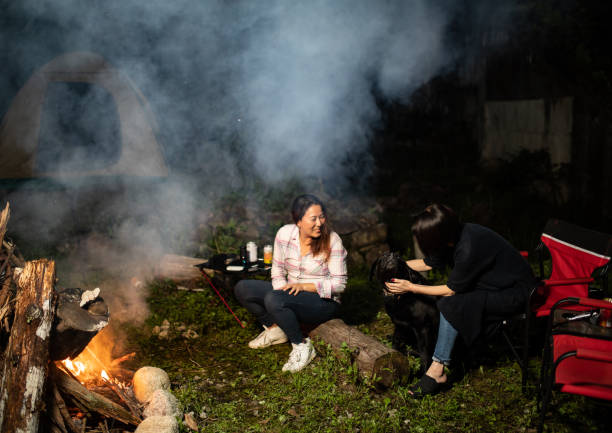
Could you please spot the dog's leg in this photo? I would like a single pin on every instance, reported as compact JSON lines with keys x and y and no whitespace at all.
{"x":399,"y":340}
{"x":424,"y":346}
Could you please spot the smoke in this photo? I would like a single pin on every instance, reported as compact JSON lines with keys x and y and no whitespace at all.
{"x":309,"y":69}
{"x":292,"y":82}
{"x":280,"y":89}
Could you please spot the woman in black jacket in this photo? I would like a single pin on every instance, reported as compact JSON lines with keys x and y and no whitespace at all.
{"x":488,"y":277}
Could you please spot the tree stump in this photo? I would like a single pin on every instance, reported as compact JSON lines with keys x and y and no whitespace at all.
{"x":374,"y":360}
{"x":27,"y":354}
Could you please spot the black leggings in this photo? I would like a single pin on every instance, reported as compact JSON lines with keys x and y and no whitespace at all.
{"x":277,"y":306}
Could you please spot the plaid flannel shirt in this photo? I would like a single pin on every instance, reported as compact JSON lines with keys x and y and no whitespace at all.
{"x":289,"y":266}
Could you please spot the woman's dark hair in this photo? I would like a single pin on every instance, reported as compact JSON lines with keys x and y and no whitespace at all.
{"x":435,"y":228}
{"x":300,"y":206}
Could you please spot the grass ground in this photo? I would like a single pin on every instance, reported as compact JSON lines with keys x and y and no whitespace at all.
{"x":230,"y":388}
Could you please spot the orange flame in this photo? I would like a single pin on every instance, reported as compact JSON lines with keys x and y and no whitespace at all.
{"x":93,"y":363}
{"x":93,"y":360}
{"x":75,"y":367}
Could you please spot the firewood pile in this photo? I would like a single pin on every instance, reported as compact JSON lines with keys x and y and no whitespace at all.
{"x":41,"y":325}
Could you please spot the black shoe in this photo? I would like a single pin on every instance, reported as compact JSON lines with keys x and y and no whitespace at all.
{"x":427,"y":386}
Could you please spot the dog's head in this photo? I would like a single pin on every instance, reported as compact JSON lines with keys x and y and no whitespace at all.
{"x":391,"y":265}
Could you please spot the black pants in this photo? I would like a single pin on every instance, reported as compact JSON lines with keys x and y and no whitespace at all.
{"x":271,"y":306}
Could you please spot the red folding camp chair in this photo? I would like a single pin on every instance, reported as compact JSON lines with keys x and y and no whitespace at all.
{"x":578,"y":352}
{"x":578,"y":257}
{"x":576,"y":253}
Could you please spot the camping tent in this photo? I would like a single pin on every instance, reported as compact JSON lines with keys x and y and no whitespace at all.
{"x":78,"y":116}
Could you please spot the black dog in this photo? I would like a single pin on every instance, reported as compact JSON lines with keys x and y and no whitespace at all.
{"x":416,"y":317}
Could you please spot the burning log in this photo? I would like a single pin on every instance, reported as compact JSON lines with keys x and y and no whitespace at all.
{"x":80,"y":316}
{"x":117,"y":361}
{"x":181,"y":268}
{"x":91,"y":401}
{"x":129,"y":401}
{"x":373,"y":359}
{"x":27,"y":355}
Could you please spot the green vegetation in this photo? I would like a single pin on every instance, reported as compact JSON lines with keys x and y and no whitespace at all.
{"x":223,"y":238}
{"x":230,"y":388}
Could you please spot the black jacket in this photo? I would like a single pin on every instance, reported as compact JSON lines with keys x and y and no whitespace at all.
{"x":488,"y":276}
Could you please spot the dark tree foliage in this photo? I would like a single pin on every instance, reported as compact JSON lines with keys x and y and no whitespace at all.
{"x":428,"y":150}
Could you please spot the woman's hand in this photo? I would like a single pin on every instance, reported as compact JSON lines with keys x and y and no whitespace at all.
{"x":295,"y":288}
{"x":398,"y":286}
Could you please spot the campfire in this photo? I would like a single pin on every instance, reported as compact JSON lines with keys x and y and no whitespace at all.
{"x":91,"y":365}
{"x":58,"y":371}
{"x":95,"y":363}
{"x":105,"y":388}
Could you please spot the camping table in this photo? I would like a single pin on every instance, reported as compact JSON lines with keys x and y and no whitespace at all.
{"x":253,"y":269}
{"x":583,"y":327}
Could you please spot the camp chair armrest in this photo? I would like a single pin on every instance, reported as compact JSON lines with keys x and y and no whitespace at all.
{"x":568,"y":281}
{"x":595,"y":303}
{"x":587,"y":302}
{"x":594,"y":355}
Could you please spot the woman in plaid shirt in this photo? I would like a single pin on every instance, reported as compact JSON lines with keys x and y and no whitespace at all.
{"x":308,"y":276}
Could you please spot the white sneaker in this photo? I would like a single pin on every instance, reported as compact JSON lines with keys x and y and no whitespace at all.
{"x":268,"y":337}
{"x":300,"y":356}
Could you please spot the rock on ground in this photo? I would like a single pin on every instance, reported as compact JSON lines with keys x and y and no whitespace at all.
{"x":147,"y":380}
{"x":158,"y":424}
{"x":161,"y":403}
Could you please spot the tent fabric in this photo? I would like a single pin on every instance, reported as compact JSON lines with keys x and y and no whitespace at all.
{"x":140,"y":151}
